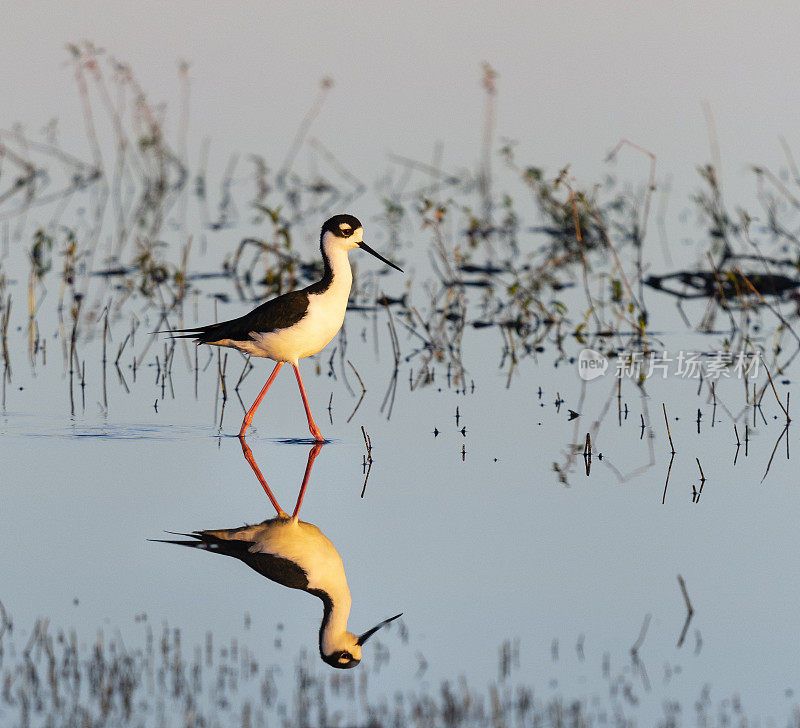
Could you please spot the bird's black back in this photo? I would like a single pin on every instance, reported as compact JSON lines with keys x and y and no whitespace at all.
{"x":273,"y":315}
{"x":275,"y":568}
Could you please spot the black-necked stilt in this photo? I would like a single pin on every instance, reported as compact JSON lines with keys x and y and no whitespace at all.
{"x":296,"y":554}
{"x":299,"y":323}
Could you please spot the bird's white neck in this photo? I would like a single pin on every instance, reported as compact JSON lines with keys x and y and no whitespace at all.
{"x":334,"y":621}
{"x":340,"y":271}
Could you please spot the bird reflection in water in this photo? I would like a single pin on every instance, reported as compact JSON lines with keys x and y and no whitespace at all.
{"x":296,"y":554}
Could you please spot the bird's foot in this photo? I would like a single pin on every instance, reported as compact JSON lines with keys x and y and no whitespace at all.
{"x":245,"y":424}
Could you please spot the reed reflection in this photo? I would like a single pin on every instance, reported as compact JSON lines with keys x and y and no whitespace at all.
{"x":298,"y":555}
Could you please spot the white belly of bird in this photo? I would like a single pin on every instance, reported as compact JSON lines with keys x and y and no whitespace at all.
{"x":310,"y":335}
{"x":305,"y":545}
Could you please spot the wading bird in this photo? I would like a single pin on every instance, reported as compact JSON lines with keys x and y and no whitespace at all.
{"x":296,"y":554}
{"x":299,"y":323}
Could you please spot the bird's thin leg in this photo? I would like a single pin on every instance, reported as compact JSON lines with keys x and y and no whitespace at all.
{"x":312,"y":456}
{"x":248,"y":455}
{"x":311,"y":426}
{"x":248,"y":418}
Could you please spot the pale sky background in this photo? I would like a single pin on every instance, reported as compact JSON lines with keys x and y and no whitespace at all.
{"x":574,"y":77}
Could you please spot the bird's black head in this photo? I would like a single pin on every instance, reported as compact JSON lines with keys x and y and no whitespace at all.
{"x":341,"y":659}
{"x":342,"y":226}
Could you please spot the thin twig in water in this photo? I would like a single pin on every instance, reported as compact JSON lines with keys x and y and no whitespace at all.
{"x":666,"y":483}
{"x":587,"y":454}
{"x":642,"y":634}
{"x":689,"y":611}
{"x":245,"y":371}
{"x":367,"y":443}
{"x":666,"y":422}
{"x":775,"y":449}
{"x":5,"y":623}
{"x":367,"y":463}
{"x":360,"y":380}
{"x":637,"y":662}
{"x":785,"y":410}
{"x":121,"y":349}
{"x":392,"y":388}
{"x":363,"y":391}
{"x":702,"y":477}
{"x":4,"y":333}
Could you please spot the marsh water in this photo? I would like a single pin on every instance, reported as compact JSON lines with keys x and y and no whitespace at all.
{"x":653,"y":579}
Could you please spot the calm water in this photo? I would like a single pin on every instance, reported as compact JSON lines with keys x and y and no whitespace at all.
{"x":478,"y":519}
{"x":474,"y":548}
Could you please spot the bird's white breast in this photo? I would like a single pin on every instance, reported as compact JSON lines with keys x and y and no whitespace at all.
{"x":322,"y":320}
{"x":313,"y":332}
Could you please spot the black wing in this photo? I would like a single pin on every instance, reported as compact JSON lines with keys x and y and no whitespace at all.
{"x":275,"y":568}
{"x":273,"y":315}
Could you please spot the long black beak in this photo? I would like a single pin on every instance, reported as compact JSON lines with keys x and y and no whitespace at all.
{"x":366,"y":247}
{"x":364,"y":637}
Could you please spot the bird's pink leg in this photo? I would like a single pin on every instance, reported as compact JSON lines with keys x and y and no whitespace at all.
{"x":312,"y":456}
{"x":248,"y":418}
{"x":311,"y":426}
{"x":248,"y":455}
